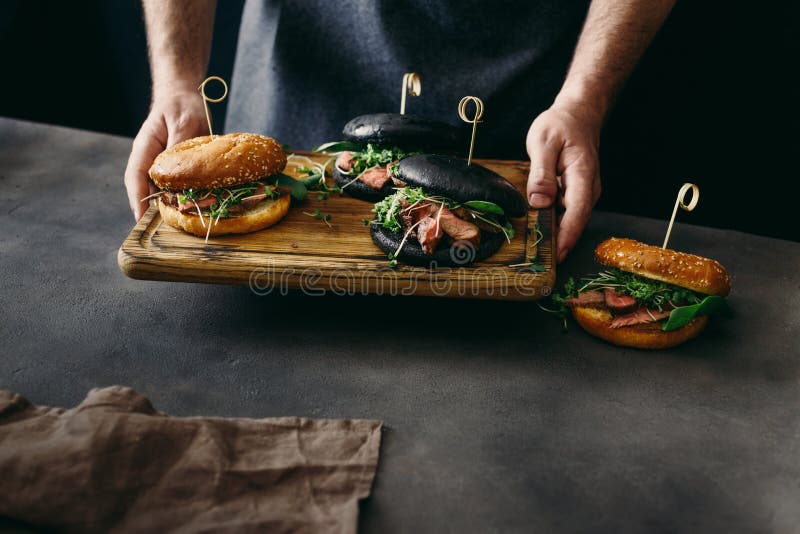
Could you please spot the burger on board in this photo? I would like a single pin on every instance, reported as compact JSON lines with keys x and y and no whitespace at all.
{"x":450,"y":213}
{"x":375,"y":143}
{"x":222,"y":184}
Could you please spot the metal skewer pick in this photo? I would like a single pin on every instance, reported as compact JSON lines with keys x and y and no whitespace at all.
{"x":412,"y":86}
{"x":680,"y":202}
{"x":207,"y":99}
{"x":462,"y":112}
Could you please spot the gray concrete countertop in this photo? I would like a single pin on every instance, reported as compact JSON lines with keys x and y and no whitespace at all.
{"x":496,"y":420}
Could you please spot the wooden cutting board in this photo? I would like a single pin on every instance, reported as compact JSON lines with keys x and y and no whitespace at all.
{"x":303,"y":253}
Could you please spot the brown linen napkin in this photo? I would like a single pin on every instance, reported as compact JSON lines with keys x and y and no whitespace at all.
{"x":114,"y":463}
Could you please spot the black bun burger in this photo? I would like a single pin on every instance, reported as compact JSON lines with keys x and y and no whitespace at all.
{"x":373,"y":143}
{"x":449,"y":212}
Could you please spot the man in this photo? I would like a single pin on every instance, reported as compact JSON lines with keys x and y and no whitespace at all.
{"x":305,"y":68}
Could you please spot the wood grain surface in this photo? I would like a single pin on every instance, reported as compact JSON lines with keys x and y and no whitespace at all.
{"x":303,"y":253}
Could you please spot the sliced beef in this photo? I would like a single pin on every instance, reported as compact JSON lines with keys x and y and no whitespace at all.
{"x":434,"y":221}
{"x":344,"y":160}
{"x":257,"y":196}
{"x":422,"y":210}
{"x":406,"y":217}
{"x":375,"y":178}
{"x":411,"y":214}
{"x":590,"y":299}
{"x":252,"y":200}
{"x":458,"y":229}
{"x":189,"y":205}
{"x":235,"y":210}
{"x":396,"y":181}
{"x":169,"y":198}
{"x":429,"y":233}
{"x":618,"y":303}
{"x":483,"y":225}
{"x":640,"y":316}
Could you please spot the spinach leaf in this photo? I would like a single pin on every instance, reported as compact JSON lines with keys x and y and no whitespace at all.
{"x":713,"y":304}
{"x":339,"y":146}
{"x":485,"y":207}
{"x":298,"y":190}
{"x":312,"y":181}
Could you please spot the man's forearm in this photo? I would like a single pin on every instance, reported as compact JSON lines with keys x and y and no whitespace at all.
{"x":614,"y":37}
{"x":179,"y":40}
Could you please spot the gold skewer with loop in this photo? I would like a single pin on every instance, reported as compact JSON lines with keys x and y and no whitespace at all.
{"x":462,"y":112}
{"x":412,"y":86}
{"x":680,"y":202}
{"x":207,"y":99}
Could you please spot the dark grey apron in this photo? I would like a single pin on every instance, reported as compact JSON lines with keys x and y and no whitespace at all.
{"x":305,"y":67}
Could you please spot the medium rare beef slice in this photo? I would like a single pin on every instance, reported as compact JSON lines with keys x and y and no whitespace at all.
{"x":640,"y":316}
{"x":344,"y":160}
{"x":429,"y":233}
{"x":375,"y":178}
{"x":458,"y":229}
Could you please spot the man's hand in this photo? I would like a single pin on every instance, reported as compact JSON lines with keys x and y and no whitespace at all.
{"x":172,"y":119}
{"x":562,"y":143}
{"x":179,"y":41}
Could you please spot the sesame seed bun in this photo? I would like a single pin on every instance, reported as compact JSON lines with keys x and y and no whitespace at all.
{"x":597,"y":322}
{"x":699,"y":274}
{"x":262,"y":215}
{"x":219,"y":161}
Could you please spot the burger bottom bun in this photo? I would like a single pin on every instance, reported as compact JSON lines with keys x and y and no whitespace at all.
{"x":360,"y":190}
{"x":444,"y":255}
{"x":264,"y":214}
{"x":643,"y":336}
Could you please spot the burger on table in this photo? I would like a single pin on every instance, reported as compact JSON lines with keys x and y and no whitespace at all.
{"x":648,"y":297}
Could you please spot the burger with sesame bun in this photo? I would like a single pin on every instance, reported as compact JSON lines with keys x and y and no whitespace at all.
{"x":648,"y":297}
{"x":222,"y":184}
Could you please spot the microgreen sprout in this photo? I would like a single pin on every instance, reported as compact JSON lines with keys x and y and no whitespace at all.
{"x":533,"y":264}
{"x":320,"y":215}
{"x":376,"y":156}
{"x":316,"y":172}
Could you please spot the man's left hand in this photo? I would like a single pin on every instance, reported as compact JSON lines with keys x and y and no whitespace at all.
{"x":563,"y":146}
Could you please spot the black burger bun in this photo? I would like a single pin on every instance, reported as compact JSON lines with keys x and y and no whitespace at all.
{"x":445,"y":255}
{"x":359,"y":189}
{"x":453,"y":178}
{"x":409,"y":132}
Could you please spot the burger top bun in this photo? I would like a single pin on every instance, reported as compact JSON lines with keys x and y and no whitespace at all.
{"x":678,"y":268}
{"x":222,"y":160}
{"x":405,"y":131}
{"x":453,"y":178}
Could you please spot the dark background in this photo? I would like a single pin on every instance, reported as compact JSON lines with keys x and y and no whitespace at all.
{"x":713,"y":100}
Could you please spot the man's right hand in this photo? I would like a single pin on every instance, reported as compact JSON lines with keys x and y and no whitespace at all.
{"x":176,"y":115}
